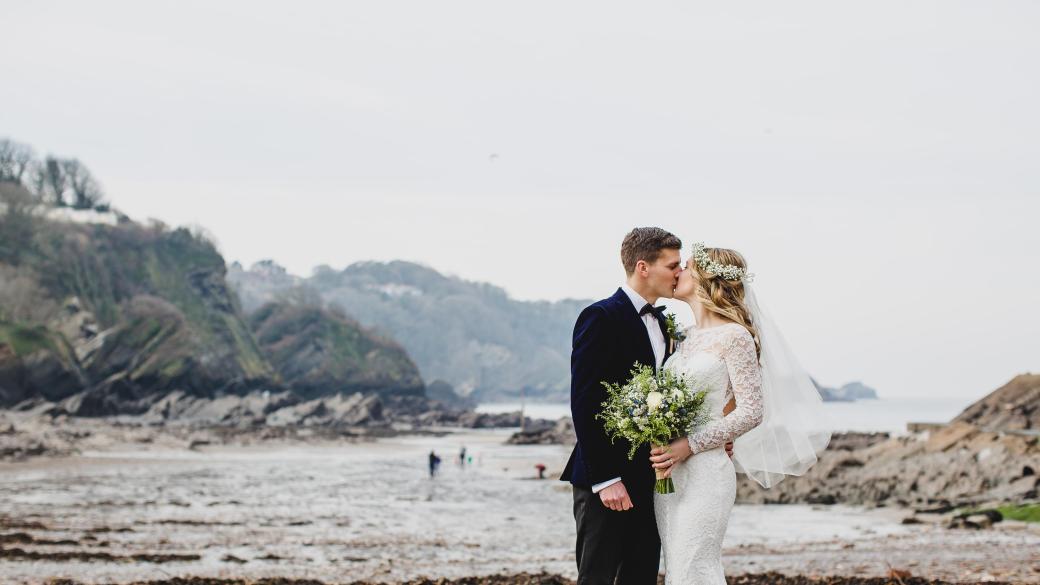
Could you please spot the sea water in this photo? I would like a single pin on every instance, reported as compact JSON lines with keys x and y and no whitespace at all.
{"x":889,"y":415}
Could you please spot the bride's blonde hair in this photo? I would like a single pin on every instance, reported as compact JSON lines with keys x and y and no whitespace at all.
{"x":723,"y":296}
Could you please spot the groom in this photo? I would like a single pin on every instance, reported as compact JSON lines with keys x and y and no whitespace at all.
{"x":613,"y":495}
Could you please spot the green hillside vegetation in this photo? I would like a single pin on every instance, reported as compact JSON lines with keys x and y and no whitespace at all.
{"x":26,"y":339}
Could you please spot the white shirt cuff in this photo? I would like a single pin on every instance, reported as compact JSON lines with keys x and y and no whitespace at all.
{"x":599,"y":486}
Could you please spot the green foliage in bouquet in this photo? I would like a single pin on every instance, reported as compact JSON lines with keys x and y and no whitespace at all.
{"x":651,"y":408}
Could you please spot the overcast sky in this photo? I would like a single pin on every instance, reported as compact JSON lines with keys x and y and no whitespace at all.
{"x":876,"y":162}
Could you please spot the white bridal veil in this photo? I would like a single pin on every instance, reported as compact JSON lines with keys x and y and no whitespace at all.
{"x":793,"y":429}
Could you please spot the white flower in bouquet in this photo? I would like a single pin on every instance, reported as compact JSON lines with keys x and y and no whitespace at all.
{"x":653,"y":400}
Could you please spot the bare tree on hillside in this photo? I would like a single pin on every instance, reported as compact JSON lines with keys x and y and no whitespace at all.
{"x":15,"y":160}
{"x":61,"y":182}
{"x":37,"y":180}
{"x":17,"y":221}
{"x":86,"y":193}
{"x":22,"y":299}
{"x":51,"y":182}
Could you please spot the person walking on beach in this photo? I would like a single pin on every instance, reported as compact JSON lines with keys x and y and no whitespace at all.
{"x":435,"y":462}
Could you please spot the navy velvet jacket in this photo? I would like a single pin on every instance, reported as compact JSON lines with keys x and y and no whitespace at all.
{"x":609,"y":338}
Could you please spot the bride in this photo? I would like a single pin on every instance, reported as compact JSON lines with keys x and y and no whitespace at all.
{"x":737,"y":355}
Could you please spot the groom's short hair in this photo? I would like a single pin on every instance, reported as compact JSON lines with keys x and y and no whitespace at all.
{"x":646,"y":243}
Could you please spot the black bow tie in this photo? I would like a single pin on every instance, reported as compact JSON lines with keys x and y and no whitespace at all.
{"x":657,"y":312}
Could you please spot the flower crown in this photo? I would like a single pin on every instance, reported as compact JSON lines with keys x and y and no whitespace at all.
{"x":726,"y":271}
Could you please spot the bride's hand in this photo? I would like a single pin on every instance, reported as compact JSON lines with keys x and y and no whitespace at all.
{"x":665,"y":457}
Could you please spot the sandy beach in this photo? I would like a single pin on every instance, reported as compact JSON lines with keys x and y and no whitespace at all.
{"x":368,"y":510}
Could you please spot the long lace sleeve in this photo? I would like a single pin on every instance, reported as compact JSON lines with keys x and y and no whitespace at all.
{"x":745,"y":376}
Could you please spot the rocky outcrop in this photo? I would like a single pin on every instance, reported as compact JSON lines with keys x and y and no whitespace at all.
{"x":244,"y":411}
{"x":1014,"y":406}
{"x":36,"y":362}
{"x":142,"y":312}
{"x":443,"y":392}
{"x":268,"y":409}
{"x":989,"y":453}
{"x":181,"y":420}
{"x":333,"y":412}
{"x":321,"y":352}
{"x":960,"y":463}
{"x":559,"y":433}
{"x":155,"y":350}
{"x":854,"y":441}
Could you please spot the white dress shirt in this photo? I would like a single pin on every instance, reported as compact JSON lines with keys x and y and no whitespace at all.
{"x":657,"y":341}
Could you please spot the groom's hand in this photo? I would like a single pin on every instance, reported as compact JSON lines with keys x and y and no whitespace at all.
{"x":616,"y":497}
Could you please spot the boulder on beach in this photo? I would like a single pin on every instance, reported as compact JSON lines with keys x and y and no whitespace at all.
{"x":559,"y":433}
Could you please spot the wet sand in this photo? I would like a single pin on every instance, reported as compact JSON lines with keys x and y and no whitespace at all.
{"x":341,"y":512}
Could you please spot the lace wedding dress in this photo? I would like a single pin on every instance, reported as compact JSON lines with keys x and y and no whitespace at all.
{"x":692,"y":521}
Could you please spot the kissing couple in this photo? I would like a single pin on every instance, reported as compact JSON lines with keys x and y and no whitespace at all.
{"x":757,"y":397}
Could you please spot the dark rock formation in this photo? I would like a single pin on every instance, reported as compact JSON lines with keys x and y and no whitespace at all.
{"x":961,"y":464}
{"x":319,"y":352}
{"x":853,"y":441}
{"x":445,"y":394}
{"x":334,"y":411}
{"x":559,"y":433}
{"x":486,"y":420}
{"x":36,"y":362}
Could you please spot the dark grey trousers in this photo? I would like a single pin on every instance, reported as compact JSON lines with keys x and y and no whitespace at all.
{"x":615,"y":548}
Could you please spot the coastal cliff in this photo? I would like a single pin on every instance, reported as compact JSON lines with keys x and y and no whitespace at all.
{"x":101,"y":315}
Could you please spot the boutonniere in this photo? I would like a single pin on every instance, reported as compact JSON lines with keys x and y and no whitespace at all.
{"x":671,"y":326}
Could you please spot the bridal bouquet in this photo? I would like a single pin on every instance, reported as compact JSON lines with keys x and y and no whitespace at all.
{"x":652,"y":408}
